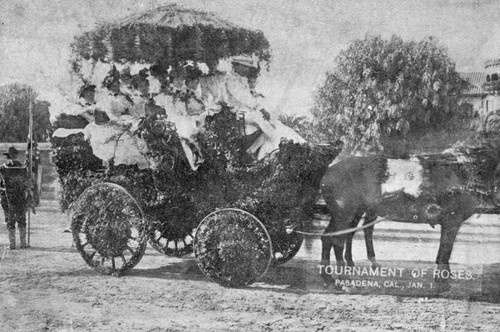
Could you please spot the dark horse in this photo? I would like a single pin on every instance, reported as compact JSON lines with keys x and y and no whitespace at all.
{"x":443,"y":189}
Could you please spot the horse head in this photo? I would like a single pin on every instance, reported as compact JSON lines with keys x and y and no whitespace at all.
{"x":488,"y":168}
{"x":495,"y":186}
{"x":480,"y":168}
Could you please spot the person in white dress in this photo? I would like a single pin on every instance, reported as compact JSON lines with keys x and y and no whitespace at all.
{"x":236,"y":89}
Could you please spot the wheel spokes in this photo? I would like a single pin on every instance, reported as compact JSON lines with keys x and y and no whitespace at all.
{"x":169,"y":244}
{"x":131,"y":250}
{"x":107,"y":223}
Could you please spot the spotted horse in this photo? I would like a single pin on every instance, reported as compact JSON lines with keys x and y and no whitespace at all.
{"x":438,"y":189}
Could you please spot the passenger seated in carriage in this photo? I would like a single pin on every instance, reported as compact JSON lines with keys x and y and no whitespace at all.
{"x":117,"y":110}
{"x":234,"y":87}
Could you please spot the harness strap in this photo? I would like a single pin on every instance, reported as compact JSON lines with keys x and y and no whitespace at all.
{"x":290,"y":229}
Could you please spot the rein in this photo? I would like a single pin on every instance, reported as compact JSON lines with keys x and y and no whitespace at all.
{"x":290,"y":229}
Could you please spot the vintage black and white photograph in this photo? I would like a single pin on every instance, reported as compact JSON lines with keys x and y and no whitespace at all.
{"x":251,"y":165}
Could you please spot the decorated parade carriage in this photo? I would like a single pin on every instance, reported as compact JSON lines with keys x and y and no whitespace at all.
{"x":162,"y":146}
{"x":169,"y":144}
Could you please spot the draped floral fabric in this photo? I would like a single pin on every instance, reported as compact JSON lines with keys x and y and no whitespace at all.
{"x":172,"y":66}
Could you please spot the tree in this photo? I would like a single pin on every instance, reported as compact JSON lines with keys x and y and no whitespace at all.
{"x":302,"y":125}
{"x":382,"y":89}
{"x":14,"y":114}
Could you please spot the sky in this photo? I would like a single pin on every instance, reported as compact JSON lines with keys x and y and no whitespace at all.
{"x":305,"y":36}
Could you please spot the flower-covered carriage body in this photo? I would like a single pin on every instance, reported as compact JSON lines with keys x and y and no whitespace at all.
{"x":166,"y":129}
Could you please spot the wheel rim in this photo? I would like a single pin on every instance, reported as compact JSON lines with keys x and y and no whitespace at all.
{"x":109,"y":229}
{"x":232,"y":247}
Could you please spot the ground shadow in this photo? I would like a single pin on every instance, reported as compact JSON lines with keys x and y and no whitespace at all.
{"x":277,"y":277}
{"x":490,"y":285}
{"x":53,"y":249}
{"x":302,"y":276}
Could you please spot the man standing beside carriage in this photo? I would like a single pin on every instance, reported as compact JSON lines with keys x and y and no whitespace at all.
{"x":14,"y":185}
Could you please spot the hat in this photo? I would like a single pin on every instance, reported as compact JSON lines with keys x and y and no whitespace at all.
{"x":11,"y":152}
{"x":245,"y":60}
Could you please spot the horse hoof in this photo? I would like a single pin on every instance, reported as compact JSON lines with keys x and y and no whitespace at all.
{"x":338,"y":288}
{"x":349,"y":289}
{"x":443,"y":287}
{"x":327,"y":280}
{"x":376,"y":266}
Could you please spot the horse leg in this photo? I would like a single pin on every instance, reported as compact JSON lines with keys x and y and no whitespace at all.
{"x":326,"y":245}
{"x":456,"y":209}
{"x":370,"y":249}
{"x":348,"y":249}
{"x":337,"y":223}
{"x":449,"y":231}
{"x":338,"y":249}
{"x":326,"y":248}
{"x":337,"y":242}
{"x":349,"y":237}
{"x":340,"y":221}
{"x":448,"y":236}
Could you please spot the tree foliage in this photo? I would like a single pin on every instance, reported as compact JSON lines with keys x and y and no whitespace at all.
{"x":306,"y":128}
{"x":14,"y":114}
{"x":382,"y":89}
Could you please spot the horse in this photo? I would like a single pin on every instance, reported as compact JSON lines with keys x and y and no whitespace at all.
{"x":442,"y":189}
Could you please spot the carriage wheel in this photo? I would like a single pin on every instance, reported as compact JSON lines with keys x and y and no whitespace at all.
{"x":286,"y":246}
{"x":108,"y":228}
{"x":171,"y":239}
{"x":232,"y":247}
{"x":173,"y":228}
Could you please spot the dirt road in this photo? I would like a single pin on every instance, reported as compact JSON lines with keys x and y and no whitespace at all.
{"x":49,"y":288}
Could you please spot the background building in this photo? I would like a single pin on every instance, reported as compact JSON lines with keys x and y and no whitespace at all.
{"x":482,"y":91}
{"x":492,"y":86}
{"x":474,"y":94}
